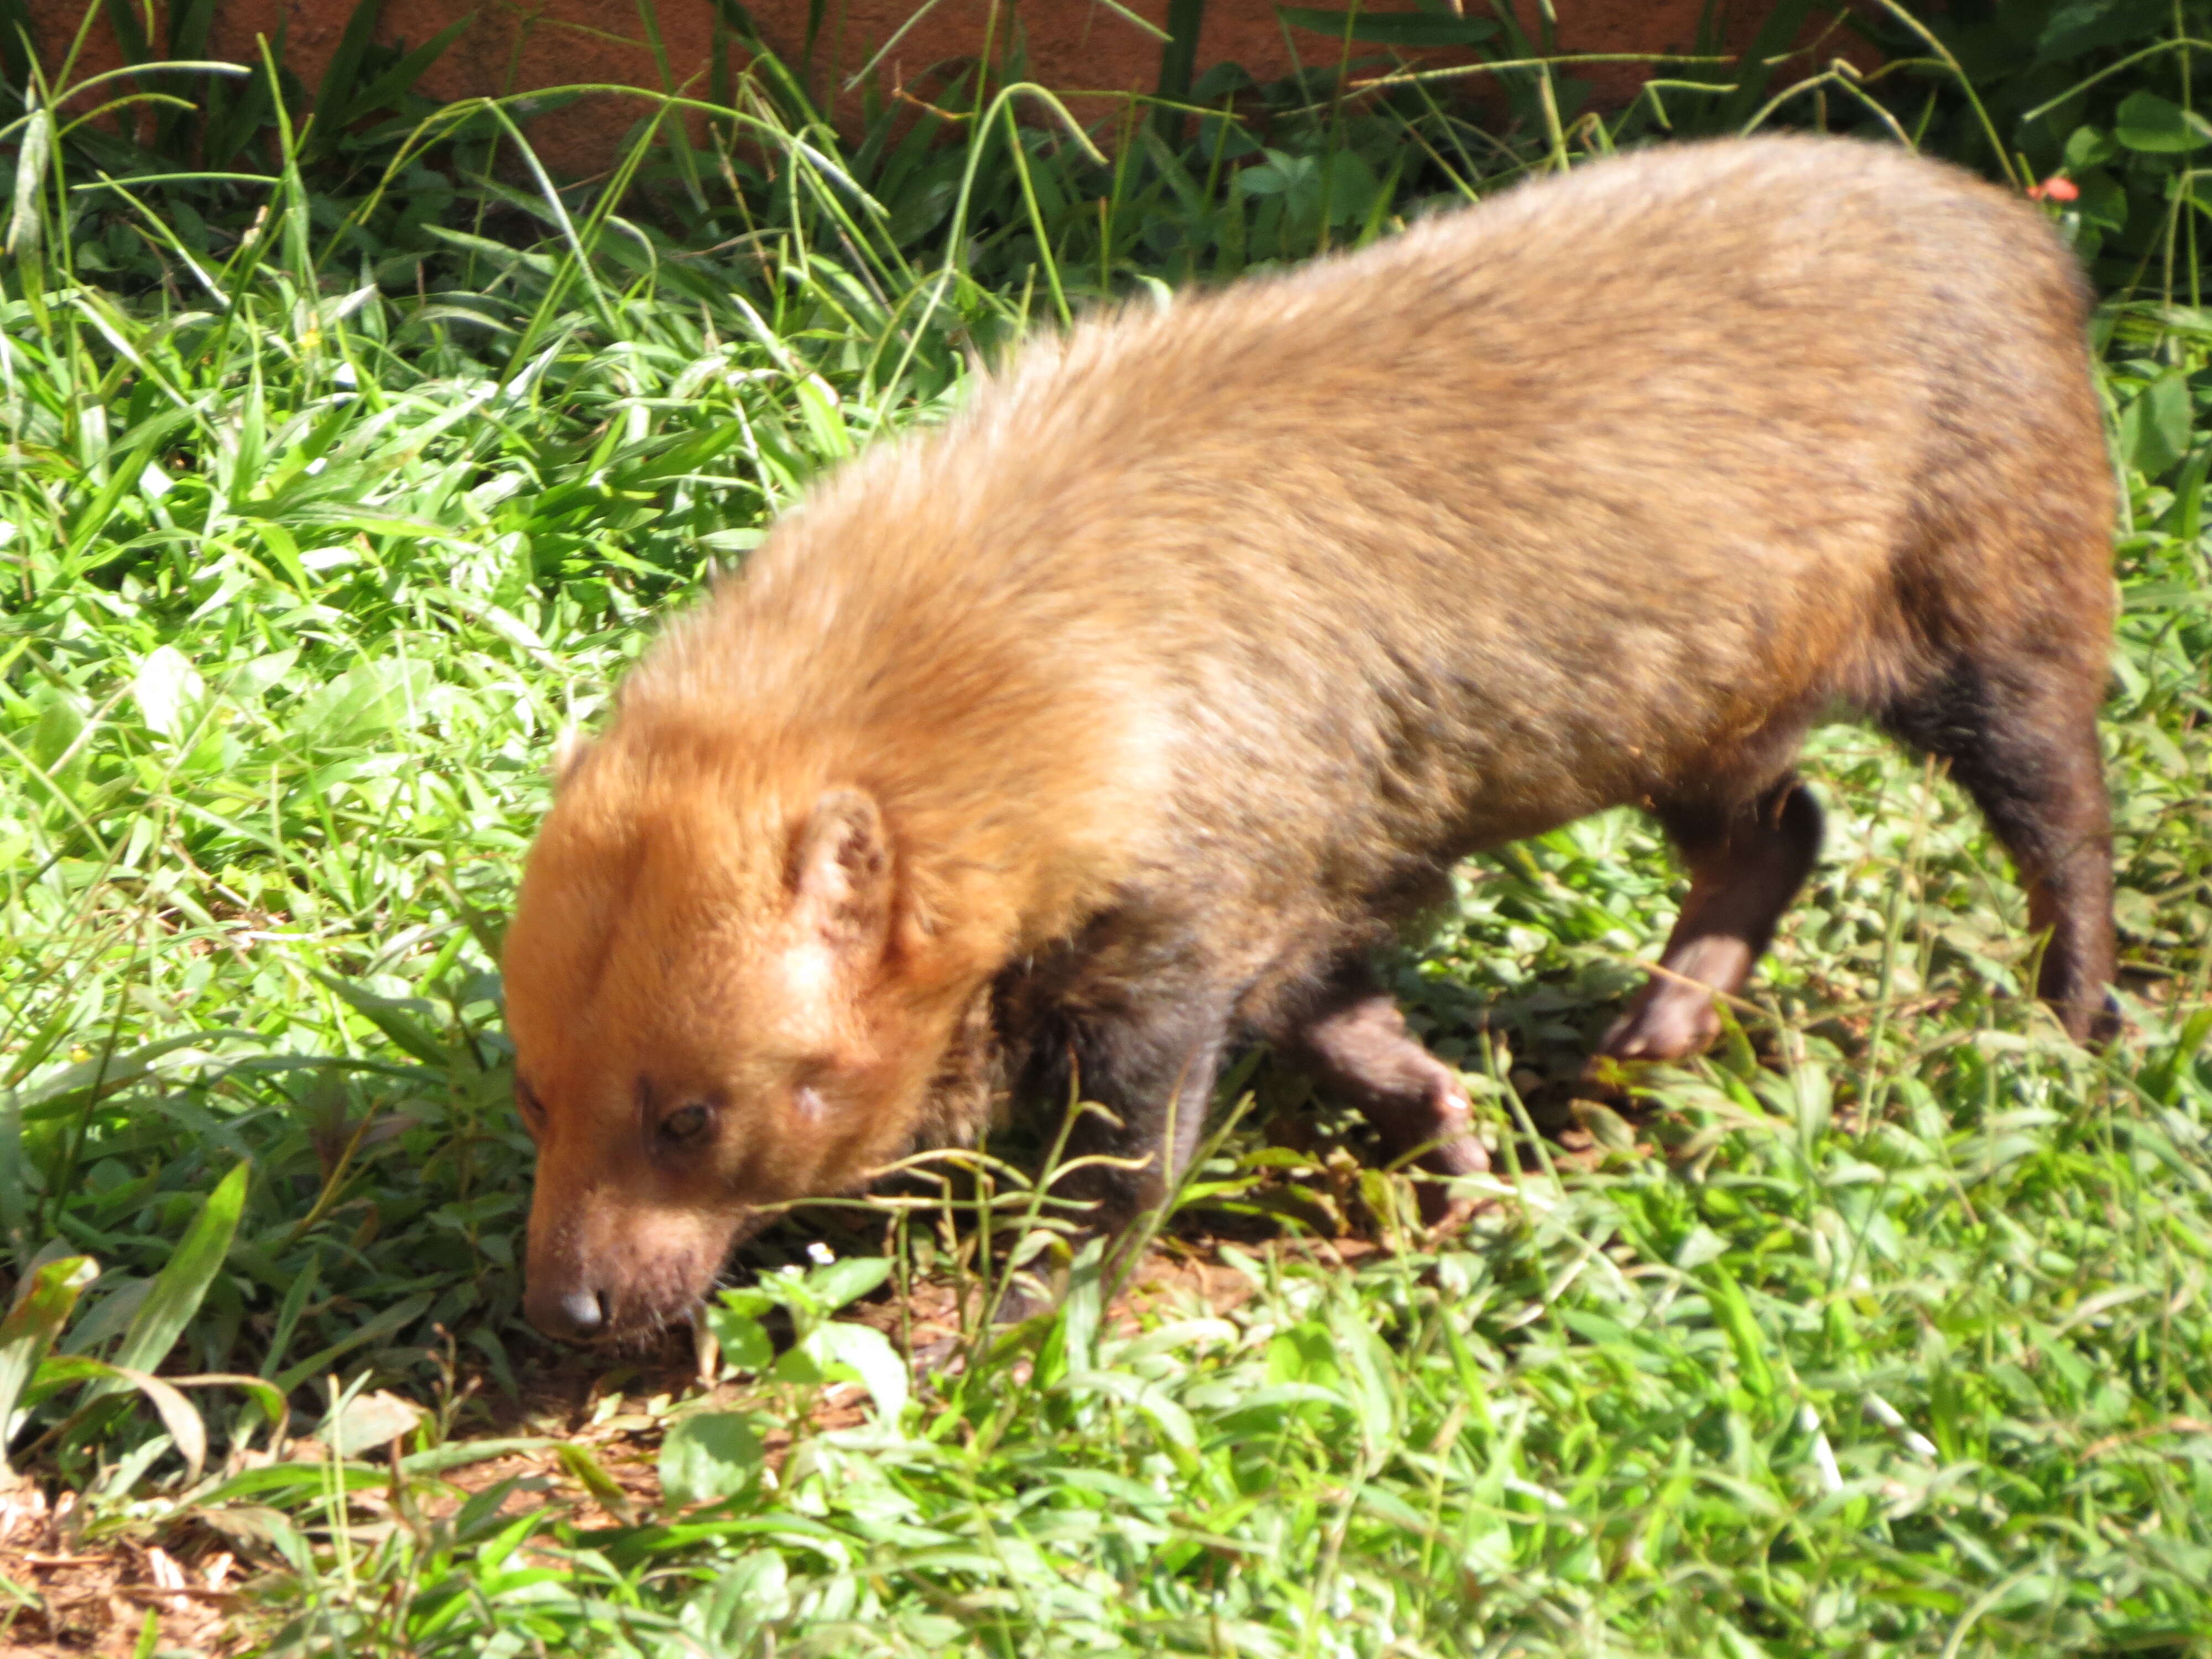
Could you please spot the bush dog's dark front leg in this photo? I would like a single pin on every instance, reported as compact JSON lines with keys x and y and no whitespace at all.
{"x":1149,"y":1057}
{"x":1153,"y":1067}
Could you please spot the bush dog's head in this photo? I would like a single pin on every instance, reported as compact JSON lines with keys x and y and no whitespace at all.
{"x":715,"y":1007}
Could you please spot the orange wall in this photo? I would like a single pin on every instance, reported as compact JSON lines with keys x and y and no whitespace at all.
{"x":1072,"y":43}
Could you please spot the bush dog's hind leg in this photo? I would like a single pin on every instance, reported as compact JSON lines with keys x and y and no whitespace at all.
{"x":2028,"y":756}
{"x":1355,"y":1041}
{"x":1746,"y":865}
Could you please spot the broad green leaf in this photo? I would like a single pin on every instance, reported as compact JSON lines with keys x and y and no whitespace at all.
{"x":2081,"y":26}
{"x":42,"y":1307}
{"x":2158,"y":125}
{"x":251,"y":679}
{"x":1305,"y":1352}
{"x":59,"y":724}
{"x":2088,"y":147}
{"x":1353,"y":188}
{"x":868,"y":1354}
{"x":178,"y":1414}
{"x":849,"y":1280}
{"x":2154,"y":426}
{"x":823,"y":416}
{"x":183,"y":1281}
{"x":708,"y":1455}
{"x":744,"y":1344}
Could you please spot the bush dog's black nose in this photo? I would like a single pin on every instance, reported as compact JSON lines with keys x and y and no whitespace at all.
{"x":574,"y":1315}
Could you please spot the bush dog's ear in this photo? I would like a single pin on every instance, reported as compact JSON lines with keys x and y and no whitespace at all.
{"x":840,"y":872}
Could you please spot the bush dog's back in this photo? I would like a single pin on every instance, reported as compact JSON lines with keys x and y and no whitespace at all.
{"x":1120,"y":719}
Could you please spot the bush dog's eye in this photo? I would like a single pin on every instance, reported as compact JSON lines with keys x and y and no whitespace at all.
{"x":684,"y":1126}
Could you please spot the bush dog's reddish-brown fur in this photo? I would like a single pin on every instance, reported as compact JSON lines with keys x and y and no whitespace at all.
{"x":1117,"y":719}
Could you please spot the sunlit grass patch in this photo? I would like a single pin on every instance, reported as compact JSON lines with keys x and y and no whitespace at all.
{"x":322,"y":512}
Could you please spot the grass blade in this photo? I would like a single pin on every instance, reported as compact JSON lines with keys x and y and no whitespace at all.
{"x":181,"y":1285}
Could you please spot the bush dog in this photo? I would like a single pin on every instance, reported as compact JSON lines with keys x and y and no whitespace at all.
{"x":1116,"y":722}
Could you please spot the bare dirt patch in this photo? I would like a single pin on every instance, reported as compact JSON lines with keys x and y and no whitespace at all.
{"x":69,"y":1596}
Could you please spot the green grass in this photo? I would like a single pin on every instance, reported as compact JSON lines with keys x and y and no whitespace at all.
{"x":323,"y":510}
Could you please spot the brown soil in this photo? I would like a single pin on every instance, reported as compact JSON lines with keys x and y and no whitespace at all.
{"x":70,"y":1597}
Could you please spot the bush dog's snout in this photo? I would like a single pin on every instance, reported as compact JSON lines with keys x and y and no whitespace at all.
{"x":1118,"y":721}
